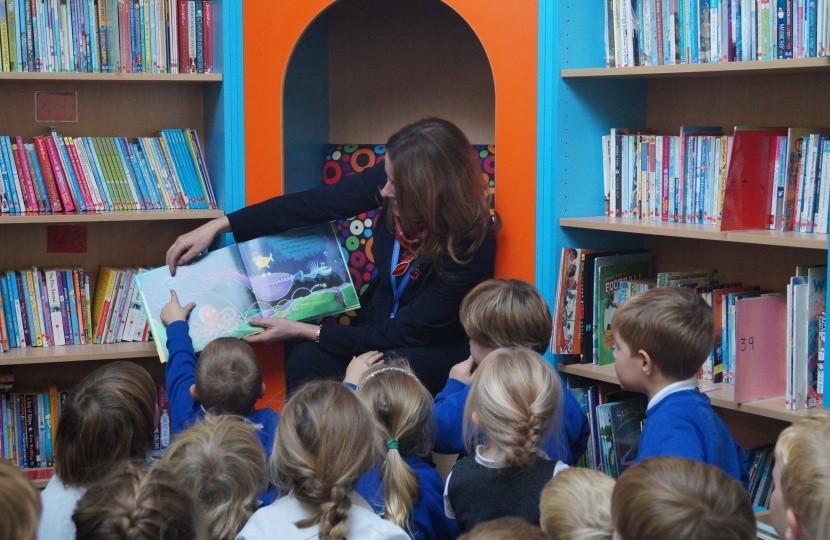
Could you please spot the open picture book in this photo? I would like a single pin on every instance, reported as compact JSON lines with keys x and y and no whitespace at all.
{"x":299,"y":275}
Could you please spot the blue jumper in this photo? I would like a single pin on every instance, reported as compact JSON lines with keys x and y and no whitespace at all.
{"x":429,"y":520}
{"x":683,"y":424}
{"x":184,"y":410}
{"x":566,"y":444}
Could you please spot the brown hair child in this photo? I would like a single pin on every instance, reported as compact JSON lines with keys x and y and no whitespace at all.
{"x":576,"y":505}
{"x":19,"y":504}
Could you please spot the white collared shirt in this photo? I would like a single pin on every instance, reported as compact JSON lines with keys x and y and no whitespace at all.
{"x":679,"y":386}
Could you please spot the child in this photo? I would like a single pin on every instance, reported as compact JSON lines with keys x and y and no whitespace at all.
{"x":670,"y":497}
{"x":800,"y":503}
{"x":220,"y":460}
{"x":137,"y":502}
{"x":509,"y":528}
{"x":19,"y":504}
{"x":227,"y":379}
{"x":515,"y":398}
{"x":326,"y":440}
{"x":576,"y":505}
{"x":505,"y":313}
{"x":663,"y":336}
{"x":404,"y":489}
{"x":111,"y":416}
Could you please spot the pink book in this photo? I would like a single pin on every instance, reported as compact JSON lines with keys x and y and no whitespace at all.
{"x":27,"y":178}
{"x":60,"y":178}
{"x":760,"y":347}
{"x":75,"y":163}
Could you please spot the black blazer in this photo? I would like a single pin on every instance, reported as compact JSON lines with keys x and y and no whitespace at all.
{"x":428,"y":311}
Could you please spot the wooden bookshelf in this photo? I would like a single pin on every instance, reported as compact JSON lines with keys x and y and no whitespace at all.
{"x":698,"y":232}
{"x":78,"y":353}
{"x":720,"y":69}
{"x":99,"y":217}
{"x":131,"y":78}
{"x":723,"y":397}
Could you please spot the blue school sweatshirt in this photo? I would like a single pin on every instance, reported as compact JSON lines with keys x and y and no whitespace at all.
{"x":429,"y":520}
{"x":566,"y":444}
{"x":184,"y":410}
{"x":683,"y":424}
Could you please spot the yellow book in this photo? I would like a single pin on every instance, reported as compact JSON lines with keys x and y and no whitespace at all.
{"x":103,"y":299}
{"x":33,"y":307}
{"x":4,"y":40}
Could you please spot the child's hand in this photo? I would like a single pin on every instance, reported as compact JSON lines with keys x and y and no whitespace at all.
{"x":360,"y":365}
{"x":463,"y":371}
{"x":173,"y":311}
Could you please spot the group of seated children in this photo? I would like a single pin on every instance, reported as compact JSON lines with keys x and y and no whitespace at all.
{"x":352,"y":460}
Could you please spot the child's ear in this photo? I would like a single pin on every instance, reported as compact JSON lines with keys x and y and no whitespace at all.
{"x":193,"y":392}
{"x":646,"y":363}
{"x":474,"y":419}
{"x":793,"y":526}
{"x":262,"y":391}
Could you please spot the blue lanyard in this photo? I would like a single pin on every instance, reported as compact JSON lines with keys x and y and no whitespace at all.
{"x":398,"y":291}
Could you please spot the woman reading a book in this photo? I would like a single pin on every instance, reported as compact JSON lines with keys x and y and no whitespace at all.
{"x":438,"y":243}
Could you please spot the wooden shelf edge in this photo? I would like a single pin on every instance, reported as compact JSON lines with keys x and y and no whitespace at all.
{"x":699,"y":232}
{"x":123,"y":215}
{"x":78,"y":353}
{"x":112,"y":77}
{"x":720,"y":69}
{"x":723,"y":397}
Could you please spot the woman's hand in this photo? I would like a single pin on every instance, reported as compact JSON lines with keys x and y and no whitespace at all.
{"x":280,"y":330}
{"x":193,"y":243}
{"x":360,"y":365}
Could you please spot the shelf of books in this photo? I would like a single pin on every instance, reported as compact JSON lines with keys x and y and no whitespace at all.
{"x":197,"y":78}
{"x":97,"y":217}
{"x":78,"y":353}
{"x":800,"y":66}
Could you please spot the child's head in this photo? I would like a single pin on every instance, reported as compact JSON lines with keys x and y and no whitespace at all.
{"x":403,"y":413}
{"x":505,"y":313}
{"x":576,"y":505}
{"x":137,"y":502}
{"x":671,"y":329}
{"x":228,"y":377}
{"x":800,"y":503}
{"x":515,"y":397}
{"x":109,"y":417}
{"x":326,"y":440}
{"x":19,"y":504}
{"x":506,"y":528}
{"x":670,"y":497}
{"x":221,"y":461}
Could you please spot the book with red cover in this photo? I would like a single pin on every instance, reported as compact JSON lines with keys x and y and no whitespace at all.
{"x":29,"y":197}
{"x":184,"y":52}
{"x":208,"y":35}
{"x":760,"y":347}
{"x":60,"y":177}
{"x":48,"y":177}
{"x":749,"y":180}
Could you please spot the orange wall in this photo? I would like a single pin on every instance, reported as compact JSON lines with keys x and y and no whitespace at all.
{"x":508,"y":32}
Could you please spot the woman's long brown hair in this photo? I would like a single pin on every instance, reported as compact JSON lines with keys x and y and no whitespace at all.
{"x":440,"y":189}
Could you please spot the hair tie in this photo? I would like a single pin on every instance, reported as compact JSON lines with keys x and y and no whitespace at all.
{"x":392,"y":444}
{"x":388,"y":368}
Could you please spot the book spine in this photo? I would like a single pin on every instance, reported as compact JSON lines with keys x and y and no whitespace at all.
{"x":20,"y":160}
{"x":191,"y":161}
{"x":7,"y":204}
{"x":97,"y":170}
{"x":42,"y":308}
{"x":96,"y":190}
{"x":80,"y":179}
{"x":29,"y":408}
{"x":60,"y":179}
{"x":41,"y":430}
{"x":66,"y":320}
{"x":25,"y":313}
{"x":208,"y":35}
{"x":74,"y":187}
{"x":191,"y":35}
{"x":203,"y":167}
{"x":72,"y":306}
{"x":55,"y":307}
{"x":44,"y":199}
{"x":822,"y":326}
{"x":48,"y":456}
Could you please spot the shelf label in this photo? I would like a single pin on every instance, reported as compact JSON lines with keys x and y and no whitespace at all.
{"x":56,"y":106}
{"x":66,"y":239}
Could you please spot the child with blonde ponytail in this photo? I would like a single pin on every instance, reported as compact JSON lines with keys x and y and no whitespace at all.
{"x":404,"y":489}
{"x":326,"y":440}
{"x":514,"y":400}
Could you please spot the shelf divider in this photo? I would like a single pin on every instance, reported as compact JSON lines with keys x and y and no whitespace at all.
{"x":719,"y":69}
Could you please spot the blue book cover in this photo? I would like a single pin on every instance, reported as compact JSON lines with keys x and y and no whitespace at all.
{"x":8,"y":312}
{"x":700,"y":190}
{"x":141,"y":34}
{"x":6,"y":203}
{"x":200,"y":38}
{"x":17,"y":313}
{"x":75,"y":187}
{"x":694,"y":34}
{"x":95,"y":164}
{"x":12,"y":195}
{"x":641,"y":52}
{"x":69,"y":288}
{"x":65,"y":320}
{"x":47,"y":421}
{"x":174,"y":164}
{"x":704,"y":32}
{"x":149,"y":177}
{"x":185,"y":164}
{"x":135,"y":179}
{"x":41,"y":430}
{"x":626,"y":418}
{"x":26,"y":309}
{"x":298,"y":275}
{"x":680,"y":28}
{"x":35,"y":36}
{"x":164,"y":167}
{"x":47,"y":205}
{"x":738,"y":11}
{"x":133,"y":39}
{"x":811,"y":29}
{"x":77,"y":64}
{"x":138,"y":173}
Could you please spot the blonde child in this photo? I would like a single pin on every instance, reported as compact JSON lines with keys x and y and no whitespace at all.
{"x":137,"y":502}
{"x":404,"y":489}
{"x":670,"y":497}
{"x":800,"y":503}
{"x":220,"y":460}
{"x":663,"y":336}
{"x":19,"y":504}
{"x":505,"y":313}
{"x":576,"y":505}
{"x":326,"y":440}
{"x":111,"y":416}
{"x":509,"y":528}
{"x":514,"y":399}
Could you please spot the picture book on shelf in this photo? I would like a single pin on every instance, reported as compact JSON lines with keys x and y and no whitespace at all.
{"x":298,"y":275}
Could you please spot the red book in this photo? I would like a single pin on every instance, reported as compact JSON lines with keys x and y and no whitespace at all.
{"x":29,"y":197}
{"x":208,"y":35}
{"x":750,"y":179}
{"x":33,"y":175}
{"x":664,"y":179}
{"x":48,"y":177}
{"x":60,"y":177}
{"x":75,"y":163}
{"x":184,"y":51}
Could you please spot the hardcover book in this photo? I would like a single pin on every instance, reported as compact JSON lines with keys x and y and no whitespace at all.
{"x":298,"y":275}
